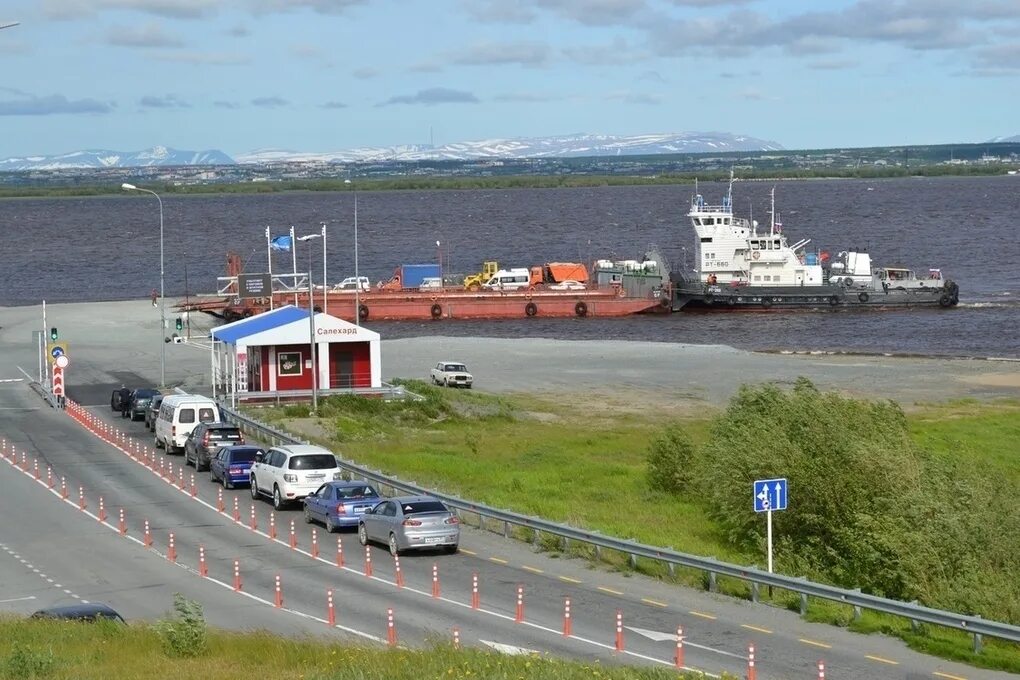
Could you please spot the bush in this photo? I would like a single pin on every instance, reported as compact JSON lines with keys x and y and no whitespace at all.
{"x":184,"y":635}
{"x":671,"y":457}
{"x":24,"y":662}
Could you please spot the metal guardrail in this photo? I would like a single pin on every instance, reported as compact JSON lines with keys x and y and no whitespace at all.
{"x":714,"y":568}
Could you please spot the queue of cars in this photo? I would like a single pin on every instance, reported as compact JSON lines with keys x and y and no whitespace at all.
{"x":293,"y":474}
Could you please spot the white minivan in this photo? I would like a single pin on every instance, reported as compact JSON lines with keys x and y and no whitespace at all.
{"x":178,"y":416}
{"x":509,"y":279}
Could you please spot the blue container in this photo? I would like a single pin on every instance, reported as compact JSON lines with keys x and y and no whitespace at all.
{"x":412,"y":275}
{"x":811,"y":258}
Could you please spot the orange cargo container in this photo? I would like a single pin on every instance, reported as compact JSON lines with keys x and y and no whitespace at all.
{"x":557,"y":272}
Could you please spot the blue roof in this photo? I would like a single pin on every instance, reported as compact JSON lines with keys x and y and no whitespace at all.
{"x":232,"y":332}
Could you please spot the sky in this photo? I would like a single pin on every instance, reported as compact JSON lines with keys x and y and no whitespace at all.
{"x":326,"y":75}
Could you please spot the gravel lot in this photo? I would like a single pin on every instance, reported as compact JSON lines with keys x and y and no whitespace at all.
{"x":117,"y":342}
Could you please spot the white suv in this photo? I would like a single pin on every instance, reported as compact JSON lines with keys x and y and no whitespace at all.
{"x":289,"y":473}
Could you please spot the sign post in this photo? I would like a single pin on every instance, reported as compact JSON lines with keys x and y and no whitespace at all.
{"x":769,"y":495}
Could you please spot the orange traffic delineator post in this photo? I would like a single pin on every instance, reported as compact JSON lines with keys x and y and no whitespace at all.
{"x":435,"y":580}
{"x":474,"y":590}
{"x":162,"y":468}
{"x":293,"y":536}
{"x":456,"y":637}
{"x":821,"y":670}
{"x":400,"y":574}
{"x":330,"y":611}
{"x":315,"y":543}
{"x":121,"y":524}
{"x":278,"y":599}
{"x":619,"y":630}
{"x":219,"y":500}
{"x":49,"y":477}
{"x":35,"y":469}
{"x":81,"y":498}
{"x":102,"y":511}
{"x":519,"y":613}
{"x":24,"y":461}
{"x":237,"y":575}
{"x":252,"y":523}
{"x":203,"y":570}
{"x":180,"y":477}
{"x":237,"y":510}
{"x":368,"y":561}
{"x":339,"y":552}
{"x":194,"y":489}
{"x":678,"y":658}
{"x":147,"y":540}
{"x":391,"y":631}
{"x":171,"y":551}
{"x":568,"y":627}
{"x":751,"y":672}
{"x":63,"y":487}
{"x":272,"y":525}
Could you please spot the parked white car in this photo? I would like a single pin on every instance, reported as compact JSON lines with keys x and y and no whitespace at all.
{"x":352,"y":284}
{"x":289,"y":473}
{"x":452,"y":374}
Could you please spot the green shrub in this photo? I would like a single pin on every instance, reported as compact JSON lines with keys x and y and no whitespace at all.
{"x":185,"y":634}
{"x":25,"y":662}
{"x":671,"y":457}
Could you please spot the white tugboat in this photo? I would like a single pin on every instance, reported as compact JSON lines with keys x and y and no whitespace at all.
{"x":742,"y":268}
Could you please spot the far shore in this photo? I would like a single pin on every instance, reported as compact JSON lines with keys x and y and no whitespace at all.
{"x":110,"y":342}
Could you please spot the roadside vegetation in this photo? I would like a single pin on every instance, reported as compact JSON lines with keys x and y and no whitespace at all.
{"x":911,"y":506}
{"x":85,"y":651}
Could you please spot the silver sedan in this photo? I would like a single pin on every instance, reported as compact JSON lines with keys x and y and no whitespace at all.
{"x":411,"y":522}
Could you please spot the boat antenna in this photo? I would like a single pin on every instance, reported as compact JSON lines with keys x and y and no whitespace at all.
{"x":772,"y":218}
{"x":729,"y":191}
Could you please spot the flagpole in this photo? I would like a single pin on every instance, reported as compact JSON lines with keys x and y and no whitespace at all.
{"x":325,"y":286}
{"x":293,"y":259}
{"x":269,"y":259}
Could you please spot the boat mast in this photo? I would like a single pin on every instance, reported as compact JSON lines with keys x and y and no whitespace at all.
{"x":772,"y":217}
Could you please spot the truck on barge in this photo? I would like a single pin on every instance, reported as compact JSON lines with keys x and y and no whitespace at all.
{"x":615,"y":289}
{"x":742,"y":268}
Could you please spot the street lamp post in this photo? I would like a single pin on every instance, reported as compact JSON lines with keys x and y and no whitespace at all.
{"x":162,"y":290}
{"x":357,"y":278}
{"x":311,"y":322}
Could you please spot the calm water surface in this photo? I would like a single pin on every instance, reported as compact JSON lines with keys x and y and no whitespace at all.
{"x":104,"y":248}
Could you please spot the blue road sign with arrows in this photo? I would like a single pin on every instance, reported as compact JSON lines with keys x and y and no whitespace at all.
{"x":769,"y":494}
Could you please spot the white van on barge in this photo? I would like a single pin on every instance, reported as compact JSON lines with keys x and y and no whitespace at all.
{"x":740,"y":268}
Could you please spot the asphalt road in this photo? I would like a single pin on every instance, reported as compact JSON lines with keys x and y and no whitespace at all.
{"x":140,"y":582}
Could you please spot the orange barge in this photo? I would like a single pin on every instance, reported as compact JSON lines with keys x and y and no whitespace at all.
{"x":614,"y":291}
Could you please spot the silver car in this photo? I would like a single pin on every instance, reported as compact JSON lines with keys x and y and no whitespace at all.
{"x":411,"y":522}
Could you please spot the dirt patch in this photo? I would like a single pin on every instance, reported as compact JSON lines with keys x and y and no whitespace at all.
{"x":994,"y":379}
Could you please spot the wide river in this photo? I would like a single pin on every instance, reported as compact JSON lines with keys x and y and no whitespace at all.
{"x":105,"y":248}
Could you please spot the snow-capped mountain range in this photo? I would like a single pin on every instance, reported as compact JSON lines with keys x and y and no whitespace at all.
{"x":566,"y":146}
{"x":102,"y":158}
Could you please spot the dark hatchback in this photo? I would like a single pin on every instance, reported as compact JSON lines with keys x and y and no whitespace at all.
{"x":139,"y":404}
{"x":152,"y":412}
{"x":232,"y":464}
{"x":206,"y":439}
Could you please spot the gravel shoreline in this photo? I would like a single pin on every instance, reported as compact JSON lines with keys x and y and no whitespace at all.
{"x":113,"y":342}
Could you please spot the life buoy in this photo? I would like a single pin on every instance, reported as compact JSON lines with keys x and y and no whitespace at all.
{"x":848,"y":282}
{"x":362,"y":312}
{"x":863,"y":297}
{"x":581,"y":309}
{"x":833,"y":301}
{"x":531,"y":309}
{"x":755,"y":255}
{"x":946,"y":300}
{"x":437,"y":311}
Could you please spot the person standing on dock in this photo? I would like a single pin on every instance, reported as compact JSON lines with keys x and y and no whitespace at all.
{"x":155,"y":297}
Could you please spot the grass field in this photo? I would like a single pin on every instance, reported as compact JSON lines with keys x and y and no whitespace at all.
{"x":85,"y":651}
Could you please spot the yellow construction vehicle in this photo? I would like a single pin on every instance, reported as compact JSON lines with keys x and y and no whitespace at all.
{"x":475,"y":281}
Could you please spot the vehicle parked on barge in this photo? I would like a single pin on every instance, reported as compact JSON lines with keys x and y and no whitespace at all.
{"x":740,"y":268}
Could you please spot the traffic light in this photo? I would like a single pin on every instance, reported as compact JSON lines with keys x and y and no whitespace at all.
{"x":53,"y":334}
{"x":179,"y":324}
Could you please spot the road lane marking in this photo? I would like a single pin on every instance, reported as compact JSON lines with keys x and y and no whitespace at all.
{"x":609,"y":590}
{"x":654,"y":603}
{"x":569,"y":580}
{"x":816,"y":644}
{"x":881,"y":660}
{"x":17,"y":599}
{"x":947,"y":675}
{"x":468,"y":552}
{"x":498,"y":560}
{"x":756,"y":628}
{"x":24,"y":372}
{"x":704,"y":616}
{"x":533,"y":570}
